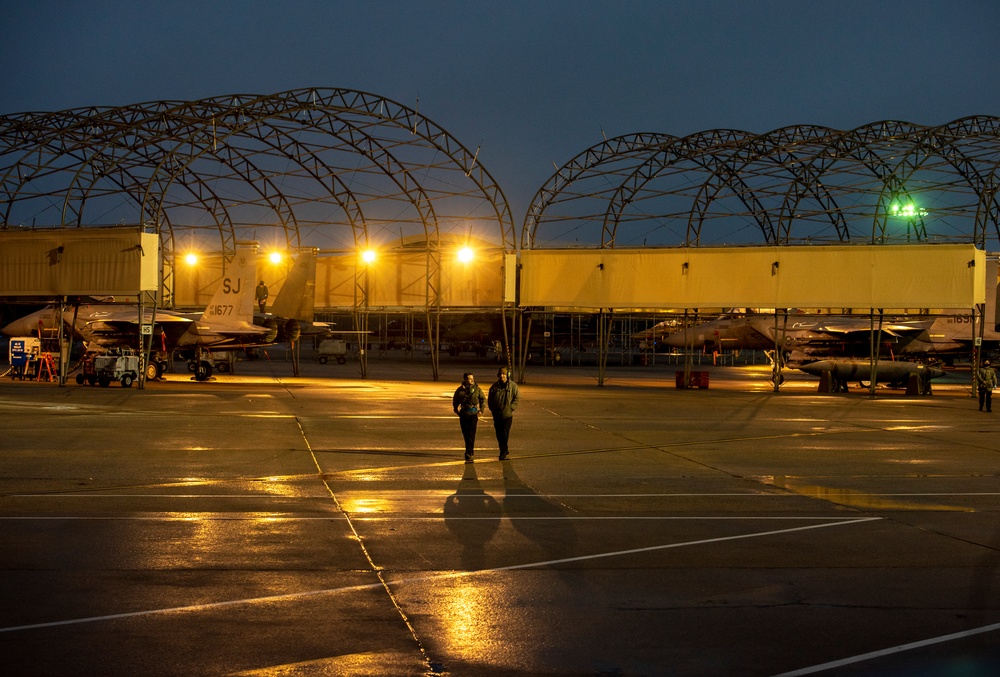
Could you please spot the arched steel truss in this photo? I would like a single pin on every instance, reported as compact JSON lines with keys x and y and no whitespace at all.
{"x":329,"y":169}
{"x":883,"y":182}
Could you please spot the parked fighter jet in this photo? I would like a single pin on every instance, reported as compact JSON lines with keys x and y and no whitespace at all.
{"x":728,"y":332}
{"x":848,"y":336}
{"x":226,"y":324}
{"x":805,"y":335}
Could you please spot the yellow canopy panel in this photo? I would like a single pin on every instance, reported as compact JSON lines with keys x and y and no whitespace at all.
{"x":78,"y":261}
{"x":848,"y":276}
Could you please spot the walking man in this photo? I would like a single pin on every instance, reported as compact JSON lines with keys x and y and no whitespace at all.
{"x":468,"y":402}
{"x":502,"y":401}
{"x":986,"y":379}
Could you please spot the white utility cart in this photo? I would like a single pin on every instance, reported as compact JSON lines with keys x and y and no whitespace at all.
{"x":332,"y":348}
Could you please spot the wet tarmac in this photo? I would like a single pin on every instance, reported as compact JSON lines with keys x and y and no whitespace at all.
{"x":264,"y":524}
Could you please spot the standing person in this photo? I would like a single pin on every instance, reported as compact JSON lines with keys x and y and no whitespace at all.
{"x":502,"y":401}
{"x":261,"y":295}
{"x":986,"y":379}
{"x":468,"y":403}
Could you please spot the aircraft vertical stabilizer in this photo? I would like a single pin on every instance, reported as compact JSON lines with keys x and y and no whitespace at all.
{"x":296,"y":300}
{"x":232,"y":304}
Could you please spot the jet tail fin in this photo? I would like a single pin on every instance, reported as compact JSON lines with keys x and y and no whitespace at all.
{"x":296,"y":300}
{"x":232,"y":304}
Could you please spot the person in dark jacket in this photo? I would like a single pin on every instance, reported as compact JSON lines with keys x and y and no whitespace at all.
{"x":468,"y":404}
{"x":986,"y":378}
{"x":502,"y":401}
{"x":261,"y":295}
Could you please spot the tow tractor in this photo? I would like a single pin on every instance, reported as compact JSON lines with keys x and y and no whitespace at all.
{"x":118,"y":364}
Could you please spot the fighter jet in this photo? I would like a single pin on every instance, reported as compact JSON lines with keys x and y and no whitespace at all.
{"x":727,"y":332}
{"x":226,"y":324}
{"x":799,"y":337}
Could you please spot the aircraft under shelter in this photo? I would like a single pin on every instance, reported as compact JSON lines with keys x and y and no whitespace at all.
{"x":891,"y":216}
{"x":405,"y":221}
{"x":401,"y":215}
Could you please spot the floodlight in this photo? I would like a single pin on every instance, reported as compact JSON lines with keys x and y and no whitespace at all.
{"x":465,"y":255}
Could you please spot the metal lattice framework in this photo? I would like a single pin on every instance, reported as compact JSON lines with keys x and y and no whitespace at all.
{"x":330,"y":169}
{"x":883,"y":182}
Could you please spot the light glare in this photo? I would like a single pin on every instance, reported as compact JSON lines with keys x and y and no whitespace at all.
{"x":465,"y":255}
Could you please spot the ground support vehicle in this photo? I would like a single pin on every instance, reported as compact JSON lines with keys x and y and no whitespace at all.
{"x":121,"y":365}
{"x":332,"y":349}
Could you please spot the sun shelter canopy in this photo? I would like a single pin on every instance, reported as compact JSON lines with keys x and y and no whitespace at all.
{"x":847,"y":277}
{"x":78,"y":262}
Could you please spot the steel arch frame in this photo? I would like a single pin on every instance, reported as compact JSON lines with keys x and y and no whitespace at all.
{"x":835,"y":167}
{"x":167,"y":160}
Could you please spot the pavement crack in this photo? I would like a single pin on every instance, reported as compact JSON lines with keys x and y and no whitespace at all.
{"x":433,"y":667}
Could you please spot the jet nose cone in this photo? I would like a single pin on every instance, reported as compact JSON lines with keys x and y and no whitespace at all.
{"x":678,"y":340}
{"x":29,"y":324}
{"x":16,"y":328}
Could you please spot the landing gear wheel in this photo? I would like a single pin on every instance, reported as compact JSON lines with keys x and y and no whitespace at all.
{"x":203,"y":372}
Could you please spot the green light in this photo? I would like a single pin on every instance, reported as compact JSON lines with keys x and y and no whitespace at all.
{"x":907,"y":211}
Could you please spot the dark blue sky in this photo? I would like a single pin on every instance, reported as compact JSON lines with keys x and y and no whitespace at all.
{"x":534,"y":83}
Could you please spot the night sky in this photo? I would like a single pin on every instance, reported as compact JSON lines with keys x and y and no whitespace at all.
{"x":532,"y":83}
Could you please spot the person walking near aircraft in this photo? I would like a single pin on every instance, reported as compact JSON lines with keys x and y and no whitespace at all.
{"x":261,"y":295}
{"x":468,"y":402}
{"x":986,"y":379}
{"x":502,"y":401}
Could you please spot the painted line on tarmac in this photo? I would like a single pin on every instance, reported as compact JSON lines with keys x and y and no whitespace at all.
{"x":891,"y":650}
{"x":361,"y":517}
{"x":449,"y":492}
{"x":416,"y":579}
{"x":263,"y":517}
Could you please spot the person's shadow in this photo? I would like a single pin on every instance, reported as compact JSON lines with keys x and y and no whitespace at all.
{"x":536,"y":517}
{"x":473,"y":516}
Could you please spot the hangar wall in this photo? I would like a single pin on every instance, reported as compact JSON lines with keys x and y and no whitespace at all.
{"x":856,"y":277}
{"x":395,"y":280}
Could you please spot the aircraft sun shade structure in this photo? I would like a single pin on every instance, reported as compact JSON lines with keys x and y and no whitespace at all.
{"x":76,"y":261}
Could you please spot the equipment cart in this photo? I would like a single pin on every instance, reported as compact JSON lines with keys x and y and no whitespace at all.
{"x":335,"y":348}
{"x":120,"y":365}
